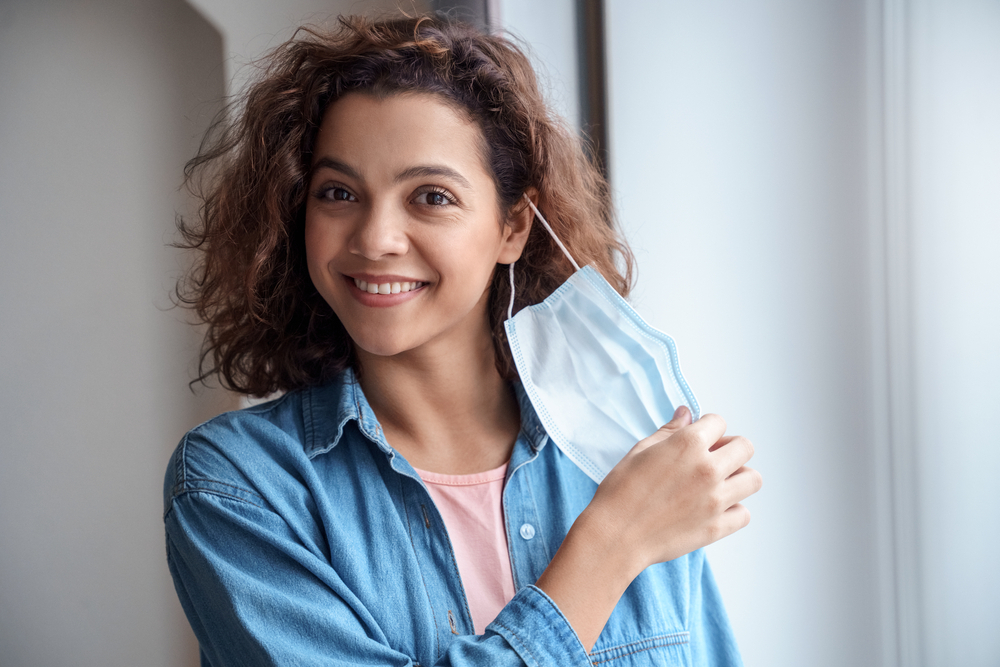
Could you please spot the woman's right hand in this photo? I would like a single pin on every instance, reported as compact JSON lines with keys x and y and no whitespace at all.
{"x":676,"y":491}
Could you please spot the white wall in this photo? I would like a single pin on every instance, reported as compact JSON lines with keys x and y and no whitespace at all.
{"x":549,"y":30}
{"x":955,"y":200}
{"x":101,"y":102}
{"x":250,"y":28}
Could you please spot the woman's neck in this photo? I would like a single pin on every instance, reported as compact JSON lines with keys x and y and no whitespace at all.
{"x":446,"y":409}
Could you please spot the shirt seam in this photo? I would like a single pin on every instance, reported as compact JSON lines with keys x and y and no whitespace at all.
{"x":560,"y":624}
{"x":625,"y":655}
{"x":451,"y":554}
{"x":212,"y":492}
{"x":192,"y":480}
{"x":416,"y":556}
{"x":462,"y":483}
{"x":522,"y":647}
{"x":541,"y":528}
{"x":182,"y":463}
{"x":184,"y":484}
{"x":454,"y":564}
{"x":678,"y":637}
{"x":506,"y":516}
{"x":309,"y":419}
{"x":506,"y":528}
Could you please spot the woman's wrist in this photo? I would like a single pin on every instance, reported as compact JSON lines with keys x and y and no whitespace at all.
{"x":589,"y":574}
{"x":607,"y":533}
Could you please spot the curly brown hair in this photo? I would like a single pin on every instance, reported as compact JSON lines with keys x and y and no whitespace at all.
{"x":268,"y":329}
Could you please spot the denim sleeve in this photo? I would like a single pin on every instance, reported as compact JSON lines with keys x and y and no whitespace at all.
{"x":254,"y":595}
{"x":712,"y":640}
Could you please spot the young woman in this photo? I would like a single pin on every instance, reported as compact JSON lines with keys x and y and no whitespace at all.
{"x":401,"y":503}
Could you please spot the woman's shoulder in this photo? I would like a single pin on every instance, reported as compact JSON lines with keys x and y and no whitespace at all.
{"x":227,"y":454}
{"x":242,"y":452}
{"x":253,"y":427}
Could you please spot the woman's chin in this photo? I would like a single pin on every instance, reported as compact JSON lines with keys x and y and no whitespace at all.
{"x":380,"y":346}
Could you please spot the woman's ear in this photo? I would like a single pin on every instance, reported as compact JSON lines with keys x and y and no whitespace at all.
{"x":517,"y":228}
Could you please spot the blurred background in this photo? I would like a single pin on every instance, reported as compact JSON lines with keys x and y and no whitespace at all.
{"x":812,"y":190}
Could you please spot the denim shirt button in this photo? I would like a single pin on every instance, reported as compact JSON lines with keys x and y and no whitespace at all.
{"x":527,"y":531}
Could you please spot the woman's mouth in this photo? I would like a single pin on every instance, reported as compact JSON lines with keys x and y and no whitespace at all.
{"x":387,"y":288}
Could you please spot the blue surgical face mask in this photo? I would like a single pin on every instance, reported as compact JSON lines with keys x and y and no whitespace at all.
{"x":598,"y":376}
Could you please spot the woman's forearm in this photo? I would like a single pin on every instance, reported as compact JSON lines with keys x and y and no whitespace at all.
{"x":588,"y":575}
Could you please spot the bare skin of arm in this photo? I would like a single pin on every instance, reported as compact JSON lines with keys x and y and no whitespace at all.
{"x":676,"y":491}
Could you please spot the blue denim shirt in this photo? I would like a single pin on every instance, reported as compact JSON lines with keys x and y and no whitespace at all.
{"x":297,"y":536}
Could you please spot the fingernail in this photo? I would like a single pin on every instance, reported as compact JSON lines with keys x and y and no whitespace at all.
{"x":679,"y":412}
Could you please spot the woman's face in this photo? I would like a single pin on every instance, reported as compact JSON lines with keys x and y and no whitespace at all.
{"x":402,"y":229}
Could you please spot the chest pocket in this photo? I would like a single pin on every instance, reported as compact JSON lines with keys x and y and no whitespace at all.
{"x":669,"y":649}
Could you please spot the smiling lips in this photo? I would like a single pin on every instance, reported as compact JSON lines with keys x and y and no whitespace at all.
{"x":387,"y":288}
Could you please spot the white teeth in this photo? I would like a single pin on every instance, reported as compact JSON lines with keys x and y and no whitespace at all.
{"x":386,"y":288}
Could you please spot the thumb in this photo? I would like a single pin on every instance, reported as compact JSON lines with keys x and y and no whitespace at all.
{"x":681,"y":418}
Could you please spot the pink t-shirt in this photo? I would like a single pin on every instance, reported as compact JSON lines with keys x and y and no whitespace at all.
{"x":472,"y":509}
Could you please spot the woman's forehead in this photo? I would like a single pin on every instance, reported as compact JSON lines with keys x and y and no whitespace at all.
{"x":402,"y":129}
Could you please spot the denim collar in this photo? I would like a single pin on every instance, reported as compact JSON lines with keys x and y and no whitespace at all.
{"x":327,"y":408}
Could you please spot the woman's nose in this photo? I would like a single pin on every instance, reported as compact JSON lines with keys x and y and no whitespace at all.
{"x":380,"y":233}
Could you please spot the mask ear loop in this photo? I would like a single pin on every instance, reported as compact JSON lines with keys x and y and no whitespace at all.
{"x":548,"y":228}
{"x":510,"y":306}
{"x":555,"y":238}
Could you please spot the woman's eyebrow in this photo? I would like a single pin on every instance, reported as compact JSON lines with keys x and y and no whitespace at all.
{"x":336,"y":165}
{"x":433,"y":170}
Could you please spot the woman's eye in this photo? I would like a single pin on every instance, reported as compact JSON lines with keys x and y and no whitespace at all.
{"x":434,"y":198}
{"x":339,"y":194}
{"x":334,"y":193}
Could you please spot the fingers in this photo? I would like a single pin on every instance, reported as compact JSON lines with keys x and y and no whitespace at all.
{"x":734,"y":518}
{"x":703,"y":432}
{"x":727,"y":523}
{"x":709,"y":429}
{"x":742,"y":484}
{"x":681,"y":418}
{"x":731,"y":453}
{"x":721,"y":442}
